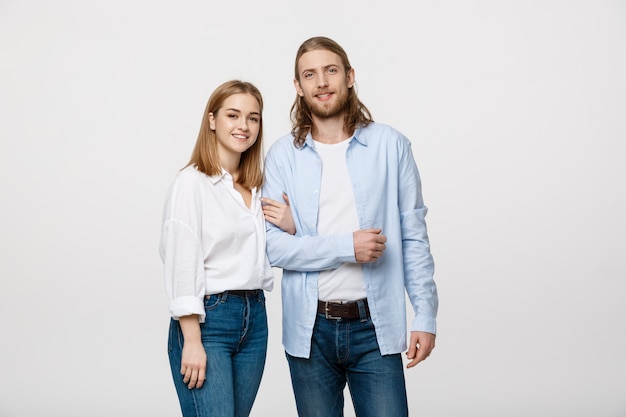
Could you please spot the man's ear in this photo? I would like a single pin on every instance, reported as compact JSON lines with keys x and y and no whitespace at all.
{"x":296,"y":84}
{"x":350,"y":77}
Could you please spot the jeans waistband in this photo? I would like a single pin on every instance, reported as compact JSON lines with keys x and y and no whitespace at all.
{"x":240,"y":293}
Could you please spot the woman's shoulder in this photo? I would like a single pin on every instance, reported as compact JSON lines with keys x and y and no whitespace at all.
{"x":191,"y":175}
{"x":188,"y":179}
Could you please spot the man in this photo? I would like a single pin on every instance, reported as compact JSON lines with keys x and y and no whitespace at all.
{"x":360,"y":241}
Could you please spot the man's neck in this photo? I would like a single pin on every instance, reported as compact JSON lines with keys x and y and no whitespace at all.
{"x":329,"y":130}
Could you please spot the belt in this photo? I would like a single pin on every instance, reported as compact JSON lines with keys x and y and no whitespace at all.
{"x":240,"y":293}
{"x":336,"y":311}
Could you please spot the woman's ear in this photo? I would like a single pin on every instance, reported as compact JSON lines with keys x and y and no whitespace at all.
{"x":211,"y":121}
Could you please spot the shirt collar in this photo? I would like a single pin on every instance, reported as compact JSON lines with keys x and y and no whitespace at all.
{"x":360,"y":136}
{"x":223,"y":175}
{"x":357,"y":136}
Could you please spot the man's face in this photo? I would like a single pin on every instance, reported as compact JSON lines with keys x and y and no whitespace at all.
{"x":323,"y":83}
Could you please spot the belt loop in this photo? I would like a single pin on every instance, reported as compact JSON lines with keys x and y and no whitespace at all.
{"x":362,"y":310}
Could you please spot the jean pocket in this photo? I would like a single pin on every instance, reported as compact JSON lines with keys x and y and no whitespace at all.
{"x":212,"y":301}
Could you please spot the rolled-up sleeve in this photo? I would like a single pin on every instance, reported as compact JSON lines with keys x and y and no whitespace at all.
{"x":182,"y":254}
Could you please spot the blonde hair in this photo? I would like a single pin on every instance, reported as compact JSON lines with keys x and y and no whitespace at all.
{"x":205,"y":157}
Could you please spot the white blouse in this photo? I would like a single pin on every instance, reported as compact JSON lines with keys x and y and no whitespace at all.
{"x":211,"y":241}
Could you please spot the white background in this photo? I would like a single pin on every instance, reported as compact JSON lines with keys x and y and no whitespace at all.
{"x":517,"y":114}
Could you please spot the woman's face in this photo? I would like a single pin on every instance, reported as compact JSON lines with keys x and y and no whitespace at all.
{"x":236,"y":124}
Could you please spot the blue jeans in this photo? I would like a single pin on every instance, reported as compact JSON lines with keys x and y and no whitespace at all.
{"x":346,"y":351}
{"x":235,"y":339}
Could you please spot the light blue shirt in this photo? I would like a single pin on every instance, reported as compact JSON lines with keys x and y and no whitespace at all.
{"x":388,"y":195}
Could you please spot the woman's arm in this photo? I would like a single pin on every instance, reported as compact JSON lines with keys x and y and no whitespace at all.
{"x":193,"y":363}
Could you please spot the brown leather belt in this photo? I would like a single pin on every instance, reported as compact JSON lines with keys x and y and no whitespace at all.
{"x":240,"y":293}
{"x":336,"y":311}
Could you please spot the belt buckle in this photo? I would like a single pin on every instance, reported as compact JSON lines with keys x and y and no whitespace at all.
{"x":327,"y":315}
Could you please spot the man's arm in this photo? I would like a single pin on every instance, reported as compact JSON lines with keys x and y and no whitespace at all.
{"x":419,"y":265}
{"x":304,"y":251}
{"x":300,"y":252}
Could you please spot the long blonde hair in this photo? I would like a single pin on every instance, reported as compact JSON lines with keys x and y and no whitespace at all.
{"x":205,"y":157}
{"x":356,"y":115}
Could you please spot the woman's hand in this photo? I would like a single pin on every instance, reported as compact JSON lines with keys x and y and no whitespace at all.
{"x":193,"y":363}
{"x":279,"y":214}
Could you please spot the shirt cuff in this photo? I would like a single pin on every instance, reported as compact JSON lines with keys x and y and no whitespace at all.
{"x":345,"y":248}
{"x":186,"y":306}
{"x":424,"y":324}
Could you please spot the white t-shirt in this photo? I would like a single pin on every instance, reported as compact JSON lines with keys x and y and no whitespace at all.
{"x":337,"y":214}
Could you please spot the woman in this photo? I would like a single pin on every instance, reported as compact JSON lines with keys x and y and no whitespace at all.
{"x":213,"y":250}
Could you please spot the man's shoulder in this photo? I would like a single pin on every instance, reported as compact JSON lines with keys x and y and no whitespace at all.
{"x":383,"y":134}
{"x":282,"y":144}
{"x":282,"y":141}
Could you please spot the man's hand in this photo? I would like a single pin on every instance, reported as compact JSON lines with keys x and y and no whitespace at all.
{"x":420,"y":346}
{"x":369,"y":245}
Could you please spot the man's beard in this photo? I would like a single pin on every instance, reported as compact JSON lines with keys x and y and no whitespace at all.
{"x":326,"y":112}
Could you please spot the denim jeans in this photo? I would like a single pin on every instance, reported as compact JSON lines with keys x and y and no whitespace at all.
{"x":235,"y":339}
{"x":346,"y":351}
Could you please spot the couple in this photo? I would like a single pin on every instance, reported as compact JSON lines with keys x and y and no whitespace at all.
{"x":341,"y":214}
